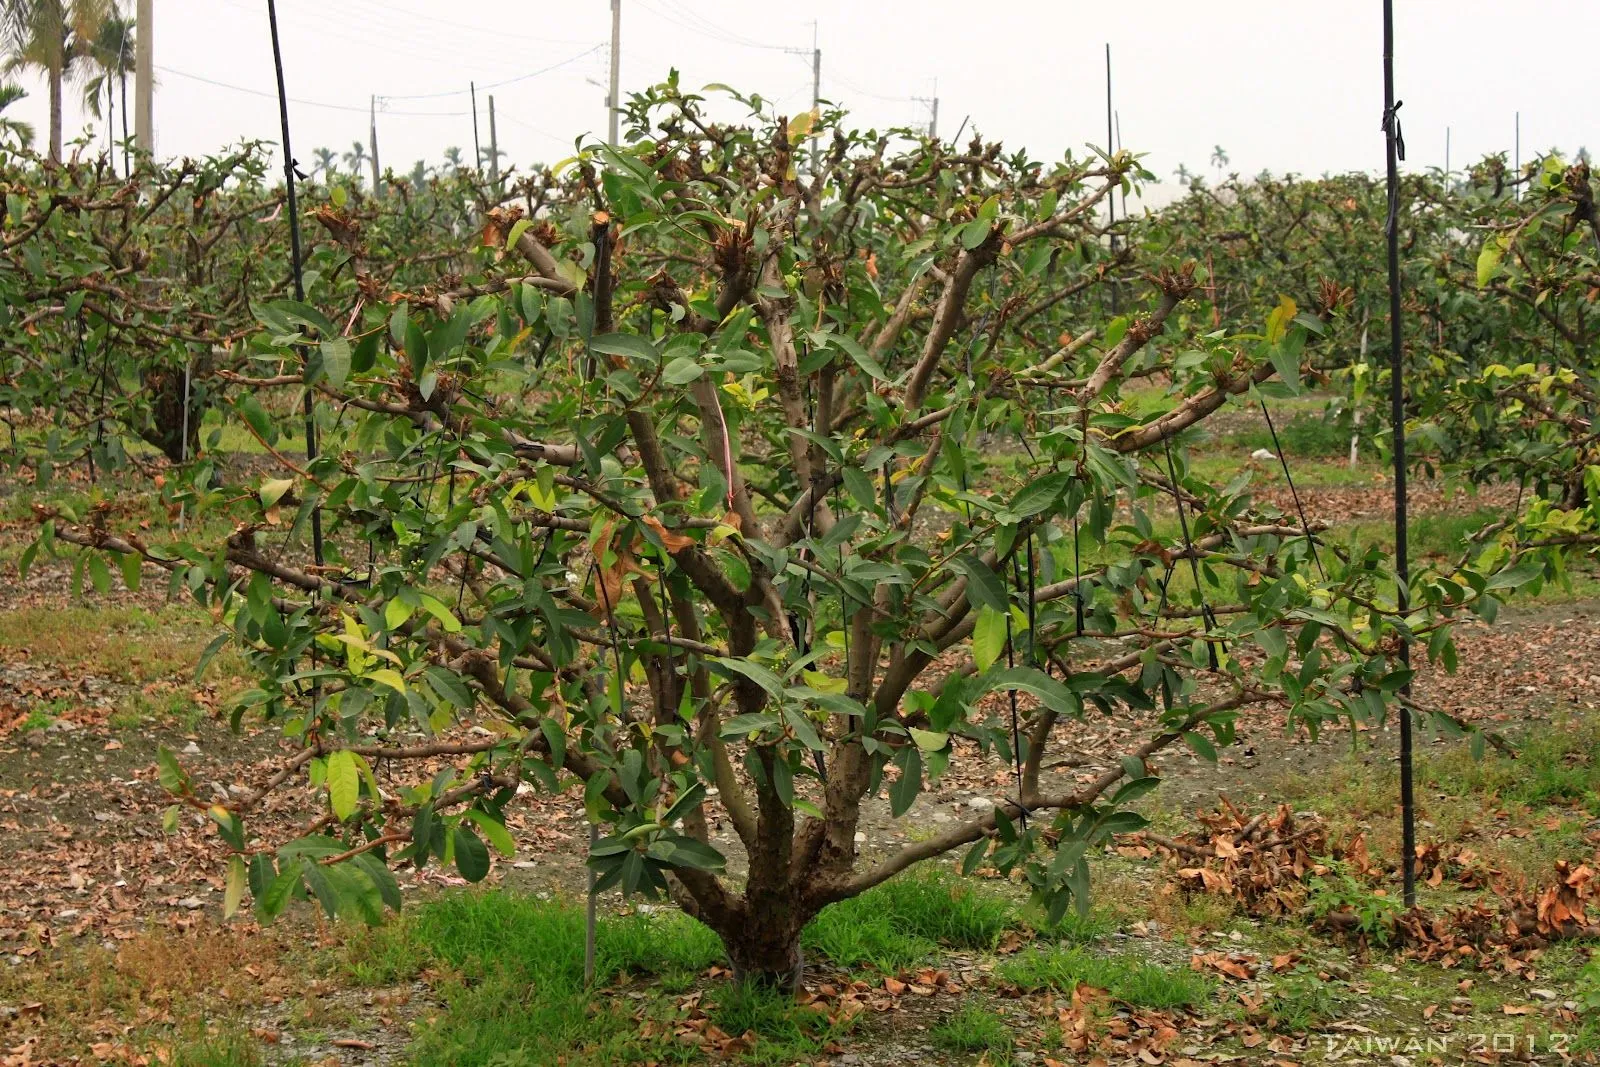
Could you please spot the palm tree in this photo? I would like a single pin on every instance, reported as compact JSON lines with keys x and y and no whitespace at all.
{"x":419,"y":174}
{"x":22,"y":131}
{"x":355,"y":159}
{"x":1183,"y":174}
{"x":452,"y":159}
{"x":326,"y":157}
{"x":1219,"y":158}
{"x":49,"y":35}
{"x":112,"y":51}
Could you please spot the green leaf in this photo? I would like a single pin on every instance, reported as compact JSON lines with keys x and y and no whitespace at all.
{"x":336,"y":360}
{"x":472,"y":855}
{"x":903,"y":792}
{"x":1201,"y":745}
{"x":988,"y":638}
{"x":860,"y":356}
{"x":99,"y":574}
{"x":753,"y":671}
{"x":518,"y":228}
{"x":1519,"y":575}
{"x":697,"y":855}
{"x":1040,"y":494}
{"x":270,"y":904}
{"x":1489,"y":258}
{"x":627,"y":345}
{"x":743,"y":725}
{"x":344,"y":783}
{"x":132,"y":565}
{"x":682,"y":371}
{"x":984,"y":587}
{"x":1051,"y":693}
{"x":495,"y":831}
{"x":1273,"y":642}
{"x":974,"y":233}
{"x":172,"y":778}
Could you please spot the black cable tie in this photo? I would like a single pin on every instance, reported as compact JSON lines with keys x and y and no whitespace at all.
{"x":1391,"y":126}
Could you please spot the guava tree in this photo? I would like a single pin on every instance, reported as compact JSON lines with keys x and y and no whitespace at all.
{"x":1508,"y":383}
{"x":125,"y":302}
{"x":684,"y":489}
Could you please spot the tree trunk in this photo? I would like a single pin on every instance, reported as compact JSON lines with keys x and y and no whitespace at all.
{"x":127,"y":164}
{"x":765,"y":948}
{"x":164,"y":386}
{"x":55,"y":115}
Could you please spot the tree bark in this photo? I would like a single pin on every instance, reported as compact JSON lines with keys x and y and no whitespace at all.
{"x":765,"y":947}
{"x":164,"y":386}
{"x":55,"y":75}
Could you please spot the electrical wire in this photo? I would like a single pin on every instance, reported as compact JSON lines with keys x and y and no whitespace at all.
{"x":499,"y":84}
{"x":319,"y":22}
{"x":706,"y":28}
{"x":303,"y":102}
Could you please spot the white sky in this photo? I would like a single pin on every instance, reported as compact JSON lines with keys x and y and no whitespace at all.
{"x":1291,"y":85}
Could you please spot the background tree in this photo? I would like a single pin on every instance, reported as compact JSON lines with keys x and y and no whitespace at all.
{"x":355,"y":161}
{"x":18,"y":131}
{"x":111,"y":52}
{"x":50,"y":36}
{"x":325,"y":159}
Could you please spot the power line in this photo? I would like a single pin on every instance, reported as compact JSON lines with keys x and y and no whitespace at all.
{"x":303,"y":103}
{"x":388,"y":10}
{"x":370,"y":34}
{"x":855,"y":88}
{"x":591,"y":50}
{"x":706,"y":28}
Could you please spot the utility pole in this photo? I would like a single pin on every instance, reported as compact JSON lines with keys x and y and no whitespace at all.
{"x":1518,"y":157}
{"x":613,"y":100}
{"x":494,"y":149}
{"x":816,"y":85}
{"x":144,"y":71}
{"x":933,"y":110}
{"x":477,"y":152}
{"x":372,"y":140}
{"x":816,"y":92}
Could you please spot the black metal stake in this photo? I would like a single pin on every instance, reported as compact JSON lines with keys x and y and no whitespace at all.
{"x":1395,"y":152}
{"x":1111,"y":201}
{"x":299,"y":294}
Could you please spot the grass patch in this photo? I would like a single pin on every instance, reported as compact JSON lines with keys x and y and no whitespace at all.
{"x":900,"y":922}
{"x":1300,"y":1003}
{"x":508,"y":969}
{"x":1127,"y":979}
{"x":224,"y":1048}
{"x":973,"y":1029}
